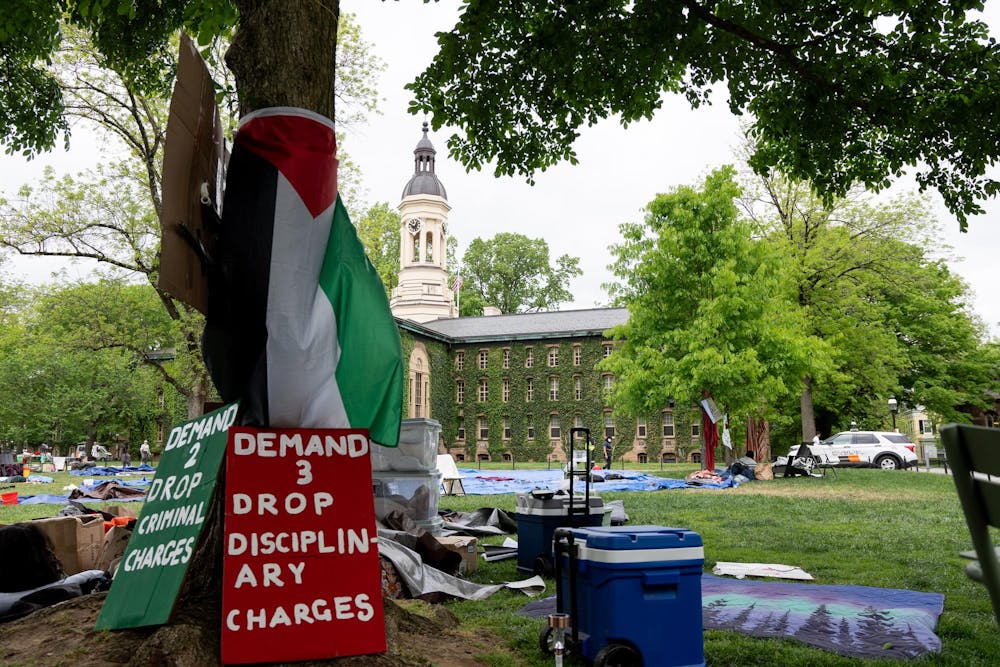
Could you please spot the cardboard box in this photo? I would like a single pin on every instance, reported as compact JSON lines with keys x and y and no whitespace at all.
{"x":115,"y":542}
{"x":78,"y":540}
{"x":466,"y":546}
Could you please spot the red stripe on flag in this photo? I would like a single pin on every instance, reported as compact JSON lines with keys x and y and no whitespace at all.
{"x":304,"y":150}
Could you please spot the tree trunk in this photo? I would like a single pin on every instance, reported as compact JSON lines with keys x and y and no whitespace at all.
{"x":808,"y":413}
{"x":758,"y":439}
{"x":283,"y":54}
{"x":198,"y":395}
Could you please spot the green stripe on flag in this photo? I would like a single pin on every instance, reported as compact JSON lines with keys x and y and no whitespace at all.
{"x":370,"y":370}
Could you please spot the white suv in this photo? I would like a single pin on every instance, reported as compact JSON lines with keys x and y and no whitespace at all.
{"x":877,"y":449}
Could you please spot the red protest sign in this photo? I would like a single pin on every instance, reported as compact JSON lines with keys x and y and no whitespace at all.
{"x":301,"y":578}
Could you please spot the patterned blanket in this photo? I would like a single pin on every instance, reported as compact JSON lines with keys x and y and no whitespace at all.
{"x":850,"y":620}
{"x":856,"y":621}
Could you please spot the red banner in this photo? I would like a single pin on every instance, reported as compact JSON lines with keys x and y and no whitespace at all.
{"x":301,"y":577}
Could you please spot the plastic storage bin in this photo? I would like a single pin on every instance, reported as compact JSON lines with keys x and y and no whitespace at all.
{"x":636,"y":587}
{"x":538,"y":516}
{"x":414,"y":494}
{"x":417,"y":450}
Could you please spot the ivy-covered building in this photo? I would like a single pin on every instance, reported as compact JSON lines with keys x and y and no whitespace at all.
{"x":508,"y":387}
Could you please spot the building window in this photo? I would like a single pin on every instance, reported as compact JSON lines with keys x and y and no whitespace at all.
{"x":506,"y":357}
{"x":553,"y":358}
{"x":506,"y":390}
{"x":461,"y":429}
{"x":529,"y":357}
{"x":607,"y":349}
{"x":484,"y":429}
{"x":643,"y":457}
{"x":531,"y":427}
{"x":609,"y":425}
{"x":429,"y":245}
{"x":695,"y":430}
{"x":577,"y":421}
{"x":925,"y":426}
{"x":668,"y":424}
{"x":460,"y":391}
{"x":529,"y":390}
{"x":484,"y":390}
{"x":483,"y":358}
{"x":554,"y":431}
{"x":506,"y":428}
{"x":577,"y":387}
{"x":553,"y":388}
{"x":418,"y":395}
{"x":608,"y":381}
{"x":459,"y":360}
{"x":640,"y":427}
{"x":577,"y":355}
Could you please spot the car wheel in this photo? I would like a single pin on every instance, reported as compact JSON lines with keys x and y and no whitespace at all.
{"x":887,"y":462}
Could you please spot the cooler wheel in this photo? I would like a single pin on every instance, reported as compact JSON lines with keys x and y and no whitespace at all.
{"x":618,"y":655}
{"x":543,"y":566}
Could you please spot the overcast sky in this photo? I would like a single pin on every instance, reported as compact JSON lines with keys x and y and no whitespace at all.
{"x":576,"y":209}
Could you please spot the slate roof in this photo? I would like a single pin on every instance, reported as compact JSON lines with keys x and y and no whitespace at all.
{"x":522,"y":326}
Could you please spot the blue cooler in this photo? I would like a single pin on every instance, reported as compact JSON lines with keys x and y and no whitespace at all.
{"x":538,"y":516}
{"x":637,"y":586}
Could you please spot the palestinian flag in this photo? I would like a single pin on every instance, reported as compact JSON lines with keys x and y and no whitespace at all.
{"x":298,"y":327}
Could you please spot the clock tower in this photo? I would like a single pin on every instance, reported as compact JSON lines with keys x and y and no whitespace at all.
{"x":423,"y":293}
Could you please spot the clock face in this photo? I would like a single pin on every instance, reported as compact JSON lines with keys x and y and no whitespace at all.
{"x":413,"y":225}
{"x":444,"y":229}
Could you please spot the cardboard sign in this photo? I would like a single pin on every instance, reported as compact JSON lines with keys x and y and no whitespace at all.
{"x":167,"y":531}
{"x":194,"y":158}
{"x":301,"y":576}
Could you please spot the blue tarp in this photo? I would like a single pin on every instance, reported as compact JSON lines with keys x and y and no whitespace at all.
{"x":53,"y":499}
{"x":482,"y":482}
{"x":98,"y":471}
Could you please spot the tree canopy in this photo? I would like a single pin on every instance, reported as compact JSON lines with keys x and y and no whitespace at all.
{"x":514,"y":273}
{"x":839,"y":91}
{"x":70,"y":365}
{"x":708,"y":309}
{"x":870,"y":281}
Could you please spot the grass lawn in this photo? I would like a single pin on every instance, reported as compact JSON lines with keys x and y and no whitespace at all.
{"x":864,"y":527}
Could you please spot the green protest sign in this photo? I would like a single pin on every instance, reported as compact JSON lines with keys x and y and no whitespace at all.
{"x":167,"y":530}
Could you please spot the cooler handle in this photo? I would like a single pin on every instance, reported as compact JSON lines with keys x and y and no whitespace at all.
{"x":653,"y":579}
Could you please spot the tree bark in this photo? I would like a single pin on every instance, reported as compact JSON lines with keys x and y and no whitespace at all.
{"x":198,"y":395}
{"x":283,"y":54}
{"x":808,"y":413}
{"x":759,"y":439}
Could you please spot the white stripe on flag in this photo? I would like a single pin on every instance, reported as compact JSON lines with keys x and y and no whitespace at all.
{"x":301,"y":386}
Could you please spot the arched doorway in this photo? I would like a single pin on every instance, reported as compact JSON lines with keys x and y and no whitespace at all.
{"x":420,"y":382}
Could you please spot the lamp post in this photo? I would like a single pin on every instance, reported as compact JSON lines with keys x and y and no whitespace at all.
{"x":893,"y":409}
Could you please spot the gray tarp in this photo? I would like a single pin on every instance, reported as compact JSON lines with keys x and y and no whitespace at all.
{"x":421,"y":579}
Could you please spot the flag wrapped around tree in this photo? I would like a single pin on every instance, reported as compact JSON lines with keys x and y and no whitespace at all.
{"x":298,"y":327}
